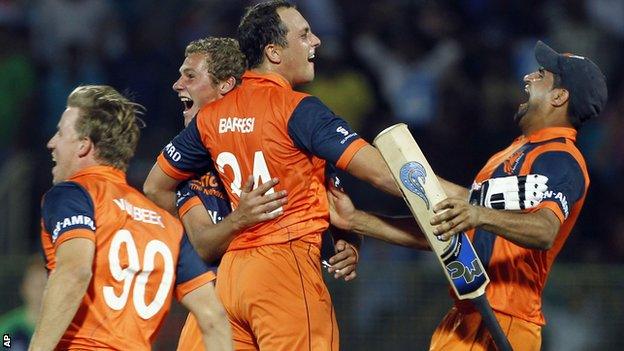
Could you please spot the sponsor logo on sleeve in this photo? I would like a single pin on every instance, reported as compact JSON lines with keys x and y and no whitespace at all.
{"x":171,"y":151}
{"x":70,"y":222}
{"x":559,"y":197}
{"x":345,"y":133}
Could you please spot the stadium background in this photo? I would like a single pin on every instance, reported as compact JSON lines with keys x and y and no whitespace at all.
{"x":452,"y":70}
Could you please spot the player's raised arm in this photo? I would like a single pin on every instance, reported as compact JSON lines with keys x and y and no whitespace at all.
{"x":180,"y":160}
{"x":160,"y":188}
{"x":368,"y":165}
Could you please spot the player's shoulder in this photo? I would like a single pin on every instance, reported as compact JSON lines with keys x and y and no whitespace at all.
{"x":65,"y":190}
{"x":559,"y":150}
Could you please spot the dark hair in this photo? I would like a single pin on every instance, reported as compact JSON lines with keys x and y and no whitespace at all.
{"x":261,"y":26}
{"x":573,"y":114}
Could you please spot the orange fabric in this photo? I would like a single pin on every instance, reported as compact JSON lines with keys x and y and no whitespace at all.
{"x":97,"y":325}
{"x":348,"y":154}
{"x":276,"y":299}
{"x":270,"y":151}
{"x":190,"y":336}
{"x":171,"y":171}
{"x":190,"y":203}
{"x":464,"y":331}
{"x":522,"y":298}
{"x":182,"y":289}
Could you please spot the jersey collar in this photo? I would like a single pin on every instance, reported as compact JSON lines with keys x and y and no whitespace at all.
{"x":110,"y":173}
{"x":553,"y":133}
{"x":270,"y":77}
{"x":548,"y":134}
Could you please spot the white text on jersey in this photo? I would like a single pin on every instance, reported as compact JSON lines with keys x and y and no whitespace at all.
{"x":235,"y":124}
{"x":72,"y":221}
{"x":139,"y":214}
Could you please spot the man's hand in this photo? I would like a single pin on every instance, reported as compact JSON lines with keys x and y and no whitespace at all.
{"x":344,"y":262}
{"x":454,"y":215}
{"x":256,"y":205}
{"x":341,"y":209}
{"x":510,"y":193}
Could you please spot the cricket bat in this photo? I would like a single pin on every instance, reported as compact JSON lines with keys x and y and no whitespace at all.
{"x":422,"y":191}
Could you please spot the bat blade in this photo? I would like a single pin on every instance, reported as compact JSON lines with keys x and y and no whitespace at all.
{"x":422,"y":191}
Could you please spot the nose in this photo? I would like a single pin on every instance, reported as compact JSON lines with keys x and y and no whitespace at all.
{"x":51,"y":142}
{"x":530,"y":77}
{"x":177,"y":85}
{"x":316,"y":41}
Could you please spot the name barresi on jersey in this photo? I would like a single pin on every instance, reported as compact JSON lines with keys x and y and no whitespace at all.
{"x":236,"y":124}
{"x":139,"y":214}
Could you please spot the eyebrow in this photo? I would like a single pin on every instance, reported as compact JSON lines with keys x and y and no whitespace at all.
{"x":186,"y":70}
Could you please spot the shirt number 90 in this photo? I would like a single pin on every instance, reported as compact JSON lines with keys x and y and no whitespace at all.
{"x":127,"y":275}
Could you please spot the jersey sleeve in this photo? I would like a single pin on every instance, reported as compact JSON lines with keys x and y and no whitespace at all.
{"x":185,"y":155}
{"x":68,"y":212}
{"x":191,"y":272}
{"x":566,"y":183}
{"x":316,"y":129}
{"x":206,"y":191}
{"x":186,"y":198}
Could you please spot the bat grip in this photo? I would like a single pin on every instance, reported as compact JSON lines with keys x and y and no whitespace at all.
{"x":491,"y":323}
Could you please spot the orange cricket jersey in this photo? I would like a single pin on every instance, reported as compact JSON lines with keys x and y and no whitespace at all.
{"x":266,"y":129}
{"x":141,"y":253}
{"x":517,"y":274}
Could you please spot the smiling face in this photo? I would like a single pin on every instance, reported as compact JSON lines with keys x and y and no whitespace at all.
{"x":196,"y":86}
{"x":539,"y":87}
{"x":297,"y":57}
{"x":65,"y":146}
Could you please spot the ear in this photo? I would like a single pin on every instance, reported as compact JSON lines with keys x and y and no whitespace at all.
{"x":85,"y":147}
{"x":560,"y":97}
{"x":273,"y":53}
{"x":227,"y":85}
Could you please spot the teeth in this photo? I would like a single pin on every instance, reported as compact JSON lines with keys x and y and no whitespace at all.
{"x":311,"y":56}
{"x":188,"y":102}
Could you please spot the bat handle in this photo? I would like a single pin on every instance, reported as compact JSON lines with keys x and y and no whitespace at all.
{"x":483,"y":305}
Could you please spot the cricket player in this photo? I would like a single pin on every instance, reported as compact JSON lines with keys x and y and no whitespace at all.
{"x":211,"y":69}
{"x":270,"y":276}
{"x":115,"y":258}
{"x":518,"y":248}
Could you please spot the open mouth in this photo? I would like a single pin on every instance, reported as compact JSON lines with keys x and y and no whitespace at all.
{"x":186,"y":102}
{"x":311,"y":57}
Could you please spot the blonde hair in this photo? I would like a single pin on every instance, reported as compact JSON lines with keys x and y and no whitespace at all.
{"x":110,"y":120}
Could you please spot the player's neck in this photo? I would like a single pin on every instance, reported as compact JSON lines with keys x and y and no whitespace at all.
{"x":543,"y":122}
{"x":266,"y":68}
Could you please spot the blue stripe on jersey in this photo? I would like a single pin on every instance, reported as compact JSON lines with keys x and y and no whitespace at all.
{"x":190,"y":265}
{"x":65,"y":207}
{"x":566,"y":183}
{"x":316,"y":129}
{"x":483,"y":243}
{"x":186,"y":152}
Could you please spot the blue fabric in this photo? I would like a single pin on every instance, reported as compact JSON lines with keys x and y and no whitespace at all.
{"x":190,"y":265}
{"x":65,"y":207}
{"x":315,"y":129}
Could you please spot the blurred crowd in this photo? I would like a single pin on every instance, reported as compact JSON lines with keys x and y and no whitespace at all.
{"x":452,"y":70}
